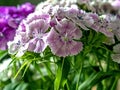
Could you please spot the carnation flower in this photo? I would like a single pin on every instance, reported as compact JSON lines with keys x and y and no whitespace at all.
{"x":115,"y":27}
{"x":80,"y":17}
{"x":76,"y":16}
{"x":102,"y":25}
{"x":61,"y":39}
{"x":18,"y":45}
{"x":32,"y":33}
{"x":37,"y":34}
{"x":37,"y":26}
{"x":104,"y":28}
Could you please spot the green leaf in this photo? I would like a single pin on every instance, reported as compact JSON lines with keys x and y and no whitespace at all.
{"x":100,"y":86}
{"x":16,"y":86}
{"x":37,"y":67}
{"x":23,"y":65}
{"x":114,"y":83}
{"x":11,"y":86}
{"x":96,"y":78}
{"x":62,"y":73}
{"x":27,"y":66}
{"x":65,"y":71}
{"x":3,"y":55}
{"x":58,"y":76}
{"x":21,"y":86}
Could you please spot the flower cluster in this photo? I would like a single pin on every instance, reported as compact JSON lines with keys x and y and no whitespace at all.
{"x":10,"y":17}
{"x":35,"y":35}
{"x":60,"y":28}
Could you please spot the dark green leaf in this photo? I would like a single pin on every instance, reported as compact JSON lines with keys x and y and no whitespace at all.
{"x":96,"y":78}
{"x":21,"y":86}
{"x":11,"y":86}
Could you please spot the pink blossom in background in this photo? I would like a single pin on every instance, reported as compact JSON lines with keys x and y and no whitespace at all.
{"x":116,"y":4}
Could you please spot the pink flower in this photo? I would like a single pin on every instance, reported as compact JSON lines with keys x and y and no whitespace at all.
{"x":115,"y":27}
{"x":79,"y":17}
{"x":37,"y":26}
{"x":31,"y":35}
{"x":61,"y":39}
{"x":105,"y":29}
{"x":102,"y":25}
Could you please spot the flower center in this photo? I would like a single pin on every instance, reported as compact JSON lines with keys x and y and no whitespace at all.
{"x":37,"y":34}
{"x":40,"y":35}
{"x":65,"y":37}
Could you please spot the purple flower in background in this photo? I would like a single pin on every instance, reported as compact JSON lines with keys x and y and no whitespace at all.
{"x":6,"y":32}
{"x":26,"y":9}
{"x":7,"y":10}
{"x":10,"y":17}
{"x":61,"y":39}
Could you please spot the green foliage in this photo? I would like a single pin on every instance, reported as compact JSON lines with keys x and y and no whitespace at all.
{"x":61,"y":74}
{"x":3,"y":55}
{"x":16,"y":86}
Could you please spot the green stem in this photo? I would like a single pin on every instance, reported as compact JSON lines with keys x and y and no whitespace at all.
{"x":79,"y":77}
{"x":39,"y":70}
{"x":114,"y":84}
{"x":68,"y":88}
{"x":108,"y":62}
{"x":50,"y":73}
{"x":98,"y":61}
{"x":59,"y":73}
{"x":100,"y":65}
